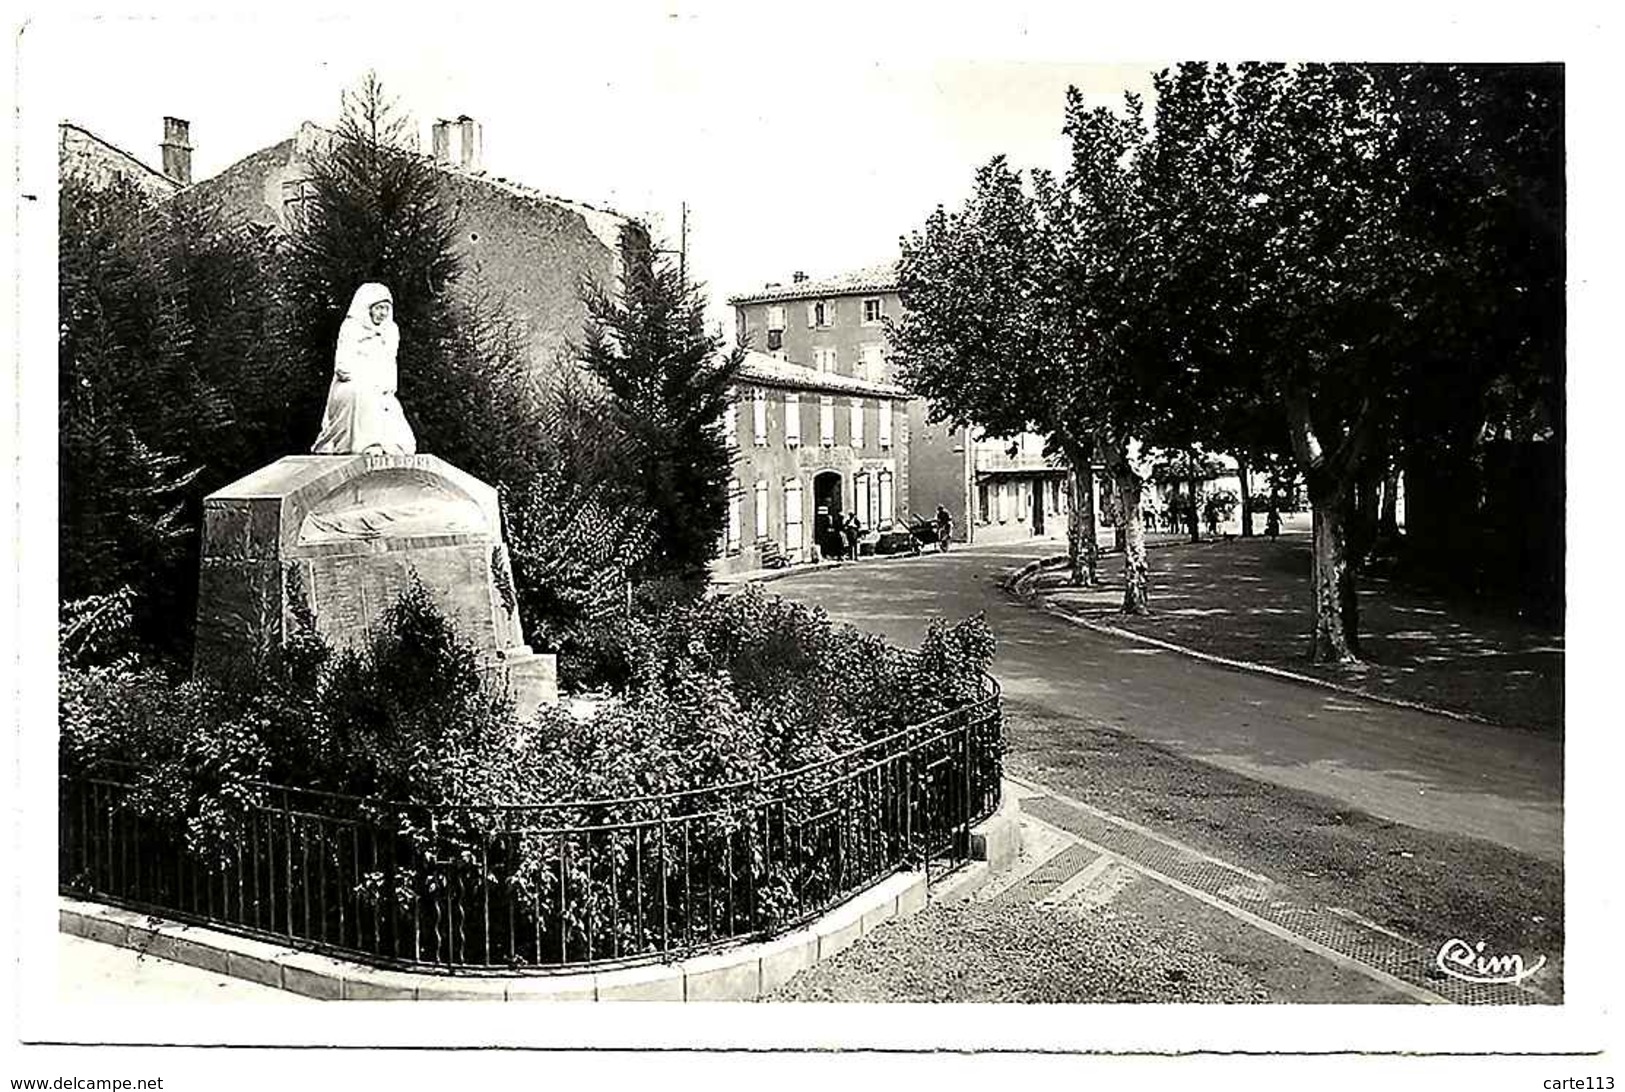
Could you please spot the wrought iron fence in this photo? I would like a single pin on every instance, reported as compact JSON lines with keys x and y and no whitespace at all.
{"x":594,"y":882}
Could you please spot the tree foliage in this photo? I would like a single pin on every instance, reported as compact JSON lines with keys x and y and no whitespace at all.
{"x":1332,"y":262}
{"x":668,"y":386}
{"x":169,"y":365}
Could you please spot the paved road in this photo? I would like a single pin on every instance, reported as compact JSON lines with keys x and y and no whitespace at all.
{"x":1426,"y":771}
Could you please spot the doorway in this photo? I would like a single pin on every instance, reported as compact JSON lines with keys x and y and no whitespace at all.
{"x":826,"y":503}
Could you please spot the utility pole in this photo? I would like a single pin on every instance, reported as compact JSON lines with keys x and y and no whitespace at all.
{"x":681,"y":251}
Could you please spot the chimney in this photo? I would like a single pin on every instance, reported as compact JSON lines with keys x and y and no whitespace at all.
{"x":440,"y":141}
{"x":469,"y":144}
{"x":798,"y":276}
{"x":177,"y":150}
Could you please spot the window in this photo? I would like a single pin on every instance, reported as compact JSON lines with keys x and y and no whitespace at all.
{"x":825,"y":360}
{"x":885,"y":498}
{"x":857,"y":424}
{"x":735,"y":502}
{"x":760,"y":415}
{"x":775,"y":320}
{"x":775,"y":340}
{"x":792,"y":419}
{"x":730,"y":419}
{"x":873,"y":311}
{"x":792,"y":518}
{"x":823,"y":313}
{"x":860,"y":487}
{"x":885,"y":423}
{"x":872,"y":364}
{"x":762,"y":523}
{"x":297,"y":194}
{"x":826,"y":421}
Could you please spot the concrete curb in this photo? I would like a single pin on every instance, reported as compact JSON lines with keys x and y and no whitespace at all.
{"x":767,"y":576}
{"x":995,"y":844}
{"x":739,"y":974}
{"x":1012,"y":582}
{"x":1012,"y":586}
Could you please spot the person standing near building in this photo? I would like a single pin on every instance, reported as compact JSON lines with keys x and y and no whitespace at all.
{"x":854,"y":531}
{"x":945,"y":527}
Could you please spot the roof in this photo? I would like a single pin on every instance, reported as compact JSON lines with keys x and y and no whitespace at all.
{"x":155,"y":174}
{"x":604,"y":223}
{"x":871,"y":278}
{"x":770,"y":371}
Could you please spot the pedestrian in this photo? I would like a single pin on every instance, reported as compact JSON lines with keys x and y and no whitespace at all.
{"x":837,"y":536}
{"x":854,"y":531}
{"x":1272,"y":522}
{"x":945,"y":528}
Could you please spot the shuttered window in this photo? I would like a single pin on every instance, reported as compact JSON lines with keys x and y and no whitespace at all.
{"x":792,"y":518}
{"x":792,"y":419}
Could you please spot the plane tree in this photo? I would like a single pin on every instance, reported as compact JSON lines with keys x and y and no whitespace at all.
{"x":978,"y":334}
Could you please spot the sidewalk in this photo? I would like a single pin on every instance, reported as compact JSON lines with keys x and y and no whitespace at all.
{"x":1101,"y":909}
{"x":1248,"y":600}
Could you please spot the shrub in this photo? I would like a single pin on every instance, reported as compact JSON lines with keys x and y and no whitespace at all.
{"x":730,"y":691}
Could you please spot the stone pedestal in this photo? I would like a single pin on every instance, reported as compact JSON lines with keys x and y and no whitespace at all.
{"x":337,"y":538}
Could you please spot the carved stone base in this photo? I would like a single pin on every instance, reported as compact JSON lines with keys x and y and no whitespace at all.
{"x":531,"y":679}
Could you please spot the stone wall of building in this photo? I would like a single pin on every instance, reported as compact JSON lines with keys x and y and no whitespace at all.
{"x":528,"y":251}
{"x":845,"y":333}
{"x":939,"y":468}
{"x":777,"y":461}
{"x":83,"y":153}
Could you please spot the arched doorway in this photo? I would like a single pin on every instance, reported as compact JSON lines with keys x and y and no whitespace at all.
{"x":826,"y":503}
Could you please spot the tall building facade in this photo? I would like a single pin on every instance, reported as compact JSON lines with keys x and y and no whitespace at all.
{"x":807,"y":445}
{"x":994,"y":489}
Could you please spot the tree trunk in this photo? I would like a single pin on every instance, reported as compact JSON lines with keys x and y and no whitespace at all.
{"x":1361,"y":534}
{"x":1126,"y":491}
{"x":1335,"y":637}
{"x":1246,"y":499}
{"x":1194,"y":519}
{"x":1388,"y":521}
{"x":1331,"y":476}
{"x":1083,"y":551}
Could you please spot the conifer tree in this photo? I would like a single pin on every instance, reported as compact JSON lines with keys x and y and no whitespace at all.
{"x":169,"y":361}
{"x":668,"y":382}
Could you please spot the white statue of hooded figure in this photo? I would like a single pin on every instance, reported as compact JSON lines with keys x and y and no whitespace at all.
{"x":363,"y":414}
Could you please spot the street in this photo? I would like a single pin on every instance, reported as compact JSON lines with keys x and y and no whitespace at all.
{"x":1414,"y":768}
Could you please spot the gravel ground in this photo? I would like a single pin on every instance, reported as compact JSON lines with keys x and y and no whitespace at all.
{"x":974,"y":952}
{"x":1248,"y":599}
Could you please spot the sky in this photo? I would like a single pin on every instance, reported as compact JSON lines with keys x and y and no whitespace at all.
{"x":797,"y":143}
